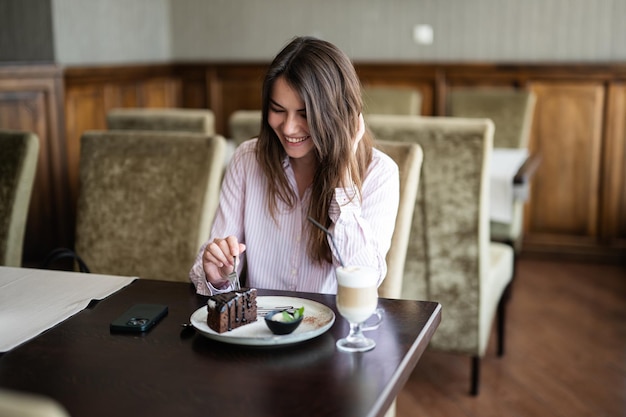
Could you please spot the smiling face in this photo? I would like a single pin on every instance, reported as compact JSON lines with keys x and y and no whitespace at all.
{"x":287,"y":117}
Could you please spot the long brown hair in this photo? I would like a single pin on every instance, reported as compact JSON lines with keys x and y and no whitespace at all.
{"x":327,"y":82}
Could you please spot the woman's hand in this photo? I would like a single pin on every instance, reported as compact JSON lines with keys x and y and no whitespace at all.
{"x":359,"y":133}
{"x":347,"y":177}
{"x":218,"y":259}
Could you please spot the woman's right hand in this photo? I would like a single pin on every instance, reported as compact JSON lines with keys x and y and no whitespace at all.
{"x":218,"y":259}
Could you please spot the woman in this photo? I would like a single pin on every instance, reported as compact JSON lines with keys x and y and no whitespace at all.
{"x":313,"y":157}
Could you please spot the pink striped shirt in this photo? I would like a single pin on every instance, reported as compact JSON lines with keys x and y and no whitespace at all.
{"x":276,"y":252}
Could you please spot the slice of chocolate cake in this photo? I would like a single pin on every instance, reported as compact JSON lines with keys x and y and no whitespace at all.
{"x":230,"y":310}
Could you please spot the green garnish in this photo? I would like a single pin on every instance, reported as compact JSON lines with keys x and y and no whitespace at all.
{"x":293,"y":316}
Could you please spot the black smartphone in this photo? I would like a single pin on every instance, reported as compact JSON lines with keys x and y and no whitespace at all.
{"x":139,"y":318}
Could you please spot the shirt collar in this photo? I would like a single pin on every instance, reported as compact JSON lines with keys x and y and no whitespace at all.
{"x":286,"y":162}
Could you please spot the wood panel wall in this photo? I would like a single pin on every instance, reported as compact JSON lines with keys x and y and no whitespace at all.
{"x":577,"y":206}
{"x":31,"y":99}
{"x":91,"y":92}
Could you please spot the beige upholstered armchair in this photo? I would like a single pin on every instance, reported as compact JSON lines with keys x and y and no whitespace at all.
{"x":20,"y":404}
{"x":392,"y":100}
{"x":164,"y":120}
{"x":450,"y":257}
{"x":146,"y":201}
{"x":18,"y":163}
{"x":409,"y":157}
{"x":244,"y":125}
{"x":512,"y":113}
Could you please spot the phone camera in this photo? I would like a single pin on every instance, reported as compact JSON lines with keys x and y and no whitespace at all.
{"x":137,"y":322}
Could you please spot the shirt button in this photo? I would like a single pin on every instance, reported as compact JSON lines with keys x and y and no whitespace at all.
{"x":293,"y":272}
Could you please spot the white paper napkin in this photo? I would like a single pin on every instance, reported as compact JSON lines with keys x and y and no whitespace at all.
{"x":34,"y":300}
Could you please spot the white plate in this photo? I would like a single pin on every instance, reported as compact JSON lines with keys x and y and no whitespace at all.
{"x":317,"y":319}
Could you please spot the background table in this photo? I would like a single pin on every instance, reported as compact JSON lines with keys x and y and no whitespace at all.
{"x":167,"y":372}
{"x":33,"y":300}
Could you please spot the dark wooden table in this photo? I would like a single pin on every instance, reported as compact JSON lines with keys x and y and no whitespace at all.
{"x":167,"y":372}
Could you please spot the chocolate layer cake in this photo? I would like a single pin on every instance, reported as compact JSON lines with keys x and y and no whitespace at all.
{"x":230,"y":310}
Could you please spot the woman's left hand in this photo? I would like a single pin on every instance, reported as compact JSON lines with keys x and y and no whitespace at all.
{"x":359,"y":133}
{"x":347,"y":178}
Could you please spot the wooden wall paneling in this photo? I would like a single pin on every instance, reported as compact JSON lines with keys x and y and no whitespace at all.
{"x":86,"y":104}
{"x":85,"y":109}
{"x":138,"y":93}
{"x":613,"y":226}
{"x":567,"y":133}
{"x":31,"y":100}
{"x":214,"y":99}
{"x":160,"y":92}
{"x":193,"y":85}
{"x":125,"y":94}
{"x":234,"y":87}
{"x":441,"y":92}
{"x":91,"y":94}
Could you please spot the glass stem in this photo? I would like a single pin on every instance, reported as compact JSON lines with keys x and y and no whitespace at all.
{"x":355,"y":332}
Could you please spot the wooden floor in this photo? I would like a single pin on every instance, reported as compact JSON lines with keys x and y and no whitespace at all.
{"x":565,"y":352}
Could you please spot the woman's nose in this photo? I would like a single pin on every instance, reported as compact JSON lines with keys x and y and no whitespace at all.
{"x":291,"y":124}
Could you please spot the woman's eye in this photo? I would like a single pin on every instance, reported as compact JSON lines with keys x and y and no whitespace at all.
{"x":276,"y":110}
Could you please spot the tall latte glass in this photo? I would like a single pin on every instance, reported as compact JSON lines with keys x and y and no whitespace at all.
{"x":357,"y":299}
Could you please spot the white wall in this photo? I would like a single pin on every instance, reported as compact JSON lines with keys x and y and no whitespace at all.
{"x":95,"y":31}
{"x":464,"y":30}
{"x":111,"y":31}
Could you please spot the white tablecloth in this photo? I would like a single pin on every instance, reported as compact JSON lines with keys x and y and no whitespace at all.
{"x":34,"y":300}
{"x":504,"y":165}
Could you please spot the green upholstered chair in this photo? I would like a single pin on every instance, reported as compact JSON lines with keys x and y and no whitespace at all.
{"x":19,"y":152}
{"x":20,"y":404}
{"x":165,"y":120}
{"x":450,"y":257}
{"x":392,"y":100}
{"x":244,"y":125}
{"x":408,"y":157}
{"x":512,"y":113}
{"x":146,"y":201}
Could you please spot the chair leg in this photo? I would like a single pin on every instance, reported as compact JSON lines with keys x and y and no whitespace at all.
{"x":475,"y":375}
{"x":501,"y":318}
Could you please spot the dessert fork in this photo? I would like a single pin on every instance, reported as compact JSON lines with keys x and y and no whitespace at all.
{"x":233,"y":277}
